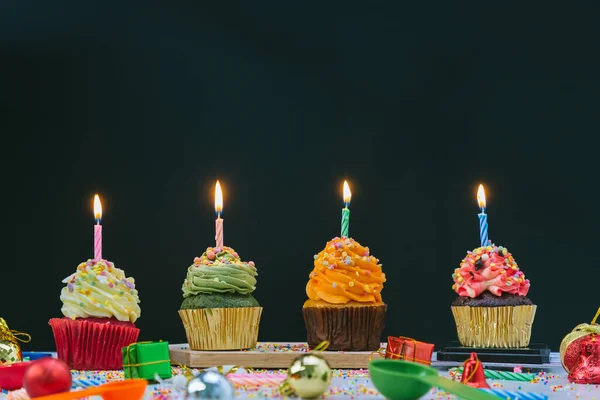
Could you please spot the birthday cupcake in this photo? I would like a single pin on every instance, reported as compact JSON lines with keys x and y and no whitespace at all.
{"x":344,"y":291}
{"x":492,"y":308}
{"x":218,"y":309}
{"x":100,"y":306}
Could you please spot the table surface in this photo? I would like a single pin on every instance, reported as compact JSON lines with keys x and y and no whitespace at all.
{"x":550,"y":379}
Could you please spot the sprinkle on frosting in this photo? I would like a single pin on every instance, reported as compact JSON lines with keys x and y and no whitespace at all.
{"x":220,"y":270}
{"x":99,"y":289}
{"x":490,"y":268}
{"x":345,"y":271}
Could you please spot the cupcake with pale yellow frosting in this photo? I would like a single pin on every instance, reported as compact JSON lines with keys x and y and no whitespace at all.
{"x":100,"y":307}
{"x":345,"y":305}
{"x":218,"y":310}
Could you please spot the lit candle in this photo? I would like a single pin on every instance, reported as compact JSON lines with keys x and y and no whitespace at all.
{"x":219,"y":220}
{"x":97,"y":229}
{"x":483,"y":224}
{"x":346,"y":210}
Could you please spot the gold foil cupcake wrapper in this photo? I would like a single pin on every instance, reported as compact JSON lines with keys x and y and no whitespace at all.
{"x":503,"y":327}
{"x":221,"y":328}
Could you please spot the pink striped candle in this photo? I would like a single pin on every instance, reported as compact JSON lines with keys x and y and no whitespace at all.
{"x":219,"y":220}
{"x":249,"y":380}
{"x":219,"y":230}
{"x":97,"y":229}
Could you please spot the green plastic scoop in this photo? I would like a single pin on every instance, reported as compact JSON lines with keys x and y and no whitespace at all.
{"x":402,"y":380}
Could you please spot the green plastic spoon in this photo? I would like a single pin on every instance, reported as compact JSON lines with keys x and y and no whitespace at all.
{"x":402,"y":380}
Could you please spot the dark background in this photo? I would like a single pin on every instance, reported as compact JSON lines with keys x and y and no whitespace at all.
{"x":149,"y":104}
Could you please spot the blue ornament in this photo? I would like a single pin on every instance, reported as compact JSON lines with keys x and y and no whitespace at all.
{"x":210,"y":385}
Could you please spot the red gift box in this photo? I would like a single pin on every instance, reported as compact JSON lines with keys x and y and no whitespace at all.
{"x":408,"y":349}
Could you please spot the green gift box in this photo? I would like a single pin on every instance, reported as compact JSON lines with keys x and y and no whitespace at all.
{"x":146,"y":359}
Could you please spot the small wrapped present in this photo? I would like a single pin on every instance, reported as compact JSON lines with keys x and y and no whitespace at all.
{"x":409,"y":349}
{"x":146,"y":359}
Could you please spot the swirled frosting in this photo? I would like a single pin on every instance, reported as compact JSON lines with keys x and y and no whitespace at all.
{"x":490,"y":268}
{"x":220,"y":270}
{"x":345,"y":271}
{"x":98,"y":289}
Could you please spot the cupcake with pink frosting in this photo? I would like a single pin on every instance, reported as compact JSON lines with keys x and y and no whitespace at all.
{"x":492,"y":308}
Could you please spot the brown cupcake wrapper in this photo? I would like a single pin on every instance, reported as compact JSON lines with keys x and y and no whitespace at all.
{"x":502,"y":327}
{"x":346,"y":328}
{"x":221,"y":328}
{"x":85,"y":345}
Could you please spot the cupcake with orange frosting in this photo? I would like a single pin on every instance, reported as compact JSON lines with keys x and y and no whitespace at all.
{"x":492,"y":308}
{"x":345,"y":305}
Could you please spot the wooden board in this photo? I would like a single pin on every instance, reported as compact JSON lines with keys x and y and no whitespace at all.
{"x":266,"y":355}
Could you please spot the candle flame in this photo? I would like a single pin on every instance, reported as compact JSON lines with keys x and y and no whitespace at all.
{"x":347,"y":194}
{"x":481,"y":197}
{"x":97,"y":208}
{"x":218,"y":199}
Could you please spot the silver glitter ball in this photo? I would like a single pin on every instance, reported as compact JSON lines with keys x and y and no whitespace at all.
{"x":210,"y":385}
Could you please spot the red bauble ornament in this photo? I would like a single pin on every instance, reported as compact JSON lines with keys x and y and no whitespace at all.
{"x":587,"y":370}
{"x":572,"y":351}
{"x":570,"y":347}
{"x":47,"y":376}
{"x":473,"y":373}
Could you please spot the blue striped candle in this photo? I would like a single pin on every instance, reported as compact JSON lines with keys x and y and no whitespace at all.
{"x":87,"y":383}
{"x":483,"y":229}
{"x":505,"y":394}
{"x":483,"y":224}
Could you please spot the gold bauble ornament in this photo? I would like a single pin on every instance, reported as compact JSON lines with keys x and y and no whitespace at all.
{"x":10,"y":350}
{"x":309,"y":376}
{"x":9,"y":353}
{"x":569,"y":350}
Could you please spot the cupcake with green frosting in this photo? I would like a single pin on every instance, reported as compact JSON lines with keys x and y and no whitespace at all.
{"x":218,"y":309}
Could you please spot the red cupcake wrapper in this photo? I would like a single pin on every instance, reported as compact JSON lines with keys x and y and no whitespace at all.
{"x":91,"y":345}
